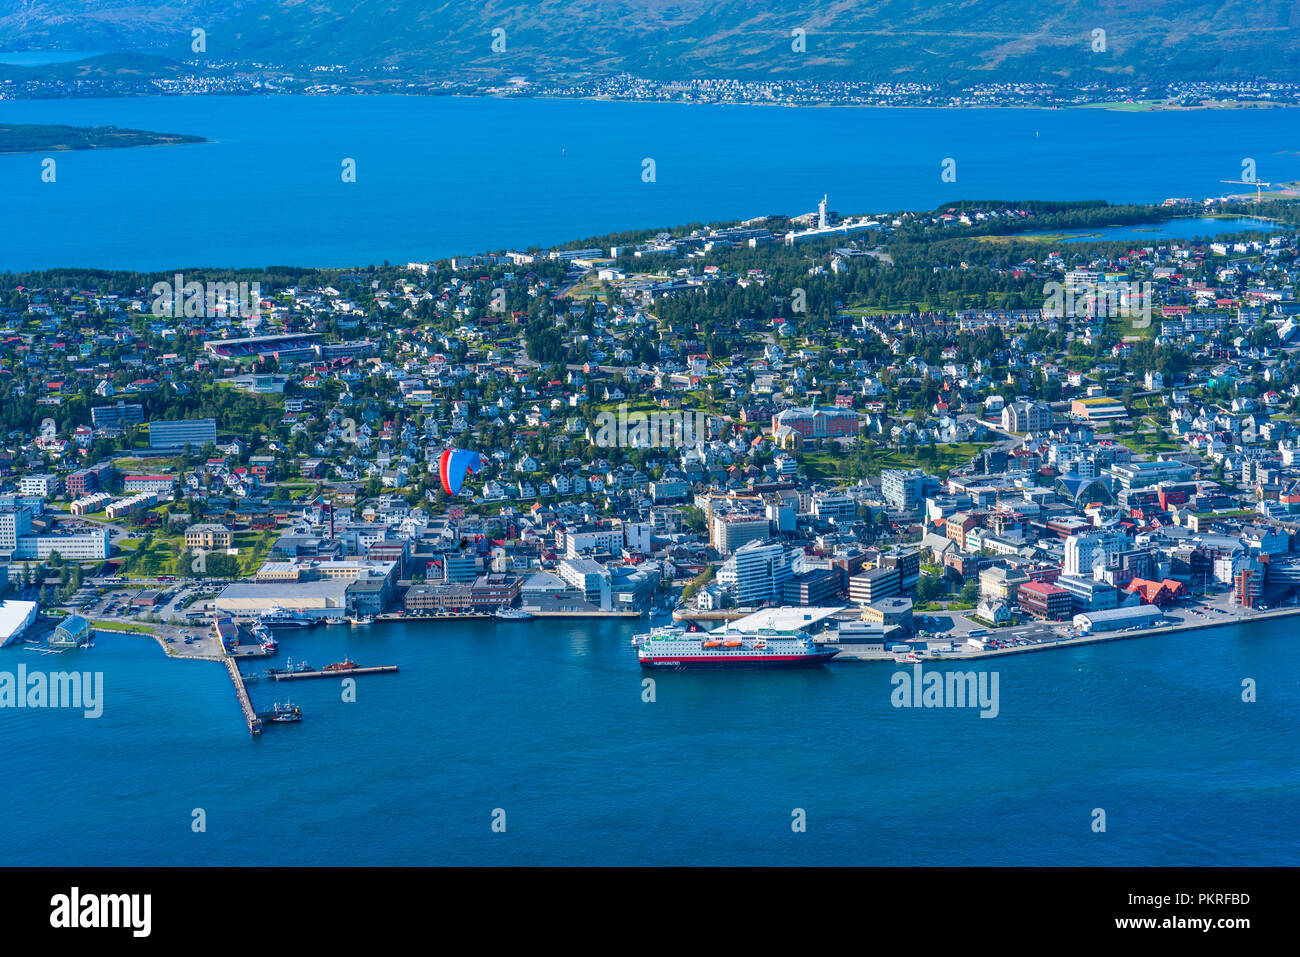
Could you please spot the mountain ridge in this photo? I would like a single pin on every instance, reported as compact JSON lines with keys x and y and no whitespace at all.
{"x":952,"y":41}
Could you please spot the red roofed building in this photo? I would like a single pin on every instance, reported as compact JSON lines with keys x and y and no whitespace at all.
{"x":1045,"y":601}
{"x":1161,"y":593}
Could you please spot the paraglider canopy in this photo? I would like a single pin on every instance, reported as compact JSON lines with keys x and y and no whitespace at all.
{"x":453,"y":465}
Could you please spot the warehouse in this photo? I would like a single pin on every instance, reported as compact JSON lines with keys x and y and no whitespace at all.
{"x":318,"y":599}
{"x":1117,"y":619}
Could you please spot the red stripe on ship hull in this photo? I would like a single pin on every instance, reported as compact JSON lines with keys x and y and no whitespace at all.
{"x":735,"y":657}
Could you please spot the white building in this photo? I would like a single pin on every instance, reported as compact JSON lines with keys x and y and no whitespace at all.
{"x":755,"y":573}
{"x":75,"y":546}
{"x":13,"y":525}
{"x":589,"y":577}
{"x":605,"y":539}
{"x":1083,"y":553}
{"x":42,"y":485}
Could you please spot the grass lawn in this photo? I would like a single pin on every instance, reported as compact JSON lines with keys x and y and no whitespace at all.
{"x":159,"y":558}
{"x":253,"y":548}
{"x":634,"y":405}
{"x":128,"y":627}
{"x":830,"y":465}
{"x":151,"y":465}
{"x":1146,"y":442}
{"x":1007,"y":239}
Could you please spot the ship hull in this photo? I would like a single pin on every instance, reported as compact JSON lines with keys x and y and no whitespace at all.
{"x":734,"y":662}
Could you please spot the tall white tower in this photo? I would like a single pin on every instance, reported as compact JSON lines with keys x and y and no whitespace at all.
{"x":821,"y":213}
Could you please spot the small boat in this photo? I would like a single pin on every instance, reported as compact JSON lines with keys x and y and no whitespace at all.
{"x":362,"y":620}
{"x":713,"y":644}
{"x":347,"y":664}
{"x":336,"y":621}
{"x":511,"y":614}
{"x":290,"y":668}
{"x":732,"y":643}
{"x":286,"y":712}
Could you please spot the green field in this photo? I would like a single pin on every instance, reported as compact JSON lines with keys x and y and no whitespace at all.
{"x":253,"y":548}
{"x":833,"y":466}
{"x":122,"y":626}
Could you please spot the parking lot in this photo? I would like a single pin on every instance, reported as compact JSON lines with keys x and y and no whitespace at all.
{"x":938,"y":627}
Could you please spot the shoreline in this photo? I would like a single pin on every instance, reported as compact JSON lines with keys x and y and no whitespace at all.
{"x":1113,"y":106}
{"x":92,"y":149}
{"x":933,"y":658}
{"x":1158,"y":630}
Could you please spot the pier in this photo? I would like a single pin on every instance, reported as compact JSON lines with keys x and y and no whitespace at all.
{"x":245,"y":702}
{"x":249,"y":651}
{"x":342,"y":673}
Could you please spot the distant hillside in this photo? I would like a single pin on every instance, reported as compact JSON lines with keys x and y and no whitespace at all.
{"x":944,"y":40}
{"x":107,"y":66}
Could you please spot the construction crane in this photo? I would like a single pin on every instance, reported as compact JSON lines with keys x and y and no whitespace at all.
{"x":1258,"y":184}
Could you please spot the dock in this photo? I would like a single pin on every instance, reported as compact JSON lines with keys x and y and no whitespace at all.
{"x":344,"y":673}
{"x":245,"y":702}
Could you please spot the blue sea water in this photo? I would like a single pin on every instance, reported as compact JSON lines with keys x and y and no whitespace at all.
{"x":1190,"y":227}
{"x":42,"y":57}
{"x":439,"y":176}
{"x":546,"y":721}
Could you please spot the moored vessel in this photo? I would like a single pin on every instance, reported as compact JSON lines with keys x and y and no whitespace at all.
{"x":290,"y":668}
{"x":286,"y":712}
{"x":285,"y":618}
{"x":511,"y":614}
{"x":678,"y":649}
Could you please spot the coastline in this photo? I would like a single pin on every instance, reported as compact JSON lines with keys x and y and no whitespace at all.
{"x":1181,"y":626}
{"x":1108,"y":105}
{"x":106,"y":146}
{"x":1112,"y":106}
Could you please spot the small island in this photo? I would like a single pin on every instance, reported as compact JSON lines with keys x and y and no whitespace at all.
{"x":31,"y":138}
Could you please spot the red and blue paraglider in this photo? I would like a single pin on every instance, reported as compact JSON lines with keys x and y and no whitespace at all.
{"x":454,"y":465}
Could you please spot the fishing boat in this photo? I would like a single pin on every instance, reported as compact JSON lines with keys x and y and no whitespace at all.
{"x":286,"y":712}
{"x":290,"y":668}
{"x":362,"y":620}
{"x":347,"y":664}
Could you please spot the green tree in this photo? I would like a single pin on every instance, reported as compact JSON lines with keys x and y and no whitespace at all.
{"x":929,"y":587}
